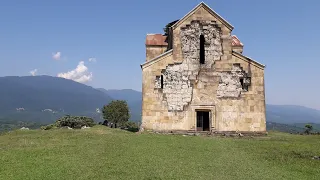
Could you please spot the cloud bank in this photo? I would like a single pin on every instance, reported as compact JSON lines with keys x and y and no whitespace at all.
{"x":80,"y":74}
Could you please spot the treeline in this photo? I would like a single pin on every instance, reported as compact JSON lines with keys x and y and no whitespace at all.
{"x":10,"y":124}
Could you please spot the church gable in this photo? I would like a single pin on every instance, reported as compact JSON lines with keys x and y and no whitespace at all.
{"x":201,"y":21}
{"x":202,"y":11}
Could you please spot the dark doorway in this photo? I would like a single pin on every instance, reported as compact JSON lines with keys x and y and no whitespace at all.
{"x":203,"y":121}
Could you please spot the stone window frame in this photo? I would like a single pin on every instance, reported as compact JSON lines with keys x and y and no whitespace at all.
{"x":212,"y":115}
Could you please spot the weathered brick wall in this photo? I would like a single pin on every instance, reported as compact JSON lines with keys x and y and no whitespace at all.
{"x":215,"y":85}
{"x":154,"y":51}
{"x":245,"y":112}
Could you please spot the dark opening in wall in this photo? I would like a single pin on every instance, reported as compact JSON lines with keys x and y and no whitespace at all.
{"x":161,"y":81}
{"x":203,"y":121}
{"x":241,"y":81}
{"x":244,"y":85}
{"x":202,"y":54}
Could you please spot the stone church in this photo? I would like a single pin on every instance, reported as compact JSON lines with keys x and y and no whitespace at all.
{"x":196,"y":78}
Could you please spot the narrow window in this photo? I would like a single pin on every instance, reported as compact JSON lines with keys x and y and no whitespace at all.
{"x":202,"y":55}
{"x":161,"y":81}
{"x":244,"y":86}
{"x":241,"y":81}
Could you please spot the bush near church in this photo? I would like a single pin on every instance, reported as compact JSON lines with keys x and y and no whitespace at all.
{"x":75,"y":122}
{"x":130,"y":126}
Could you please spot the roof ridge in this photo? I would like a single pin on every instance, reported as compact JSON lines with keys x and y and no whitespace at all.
{"x":205,"y":6}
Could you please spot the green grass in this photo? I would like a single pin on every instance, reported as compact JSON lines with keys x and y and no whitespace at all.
{"x":103,"y":153}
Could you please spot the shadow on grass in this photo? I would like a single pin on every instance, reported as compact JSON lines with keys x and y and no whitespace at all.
{"x":127,"y":126}
{"x":131,"y":129}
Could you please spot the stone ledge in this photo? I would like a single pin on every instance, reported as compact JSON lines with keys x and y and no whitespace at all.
{"x":211,"y":133}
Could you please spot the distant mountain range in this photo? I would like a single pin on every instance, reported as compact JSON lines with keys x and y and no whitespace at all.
{"x":44,"y":99}
{"x":291,"y":114}
{"x":26,"y":98}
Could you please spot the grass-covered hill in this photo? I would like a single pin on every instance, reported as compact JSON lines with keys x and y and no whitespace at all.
{"x":104,"y":153}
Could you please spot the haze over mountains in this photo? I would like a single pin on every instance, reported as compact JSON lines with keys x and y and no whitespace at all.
{"x":45,"y":98}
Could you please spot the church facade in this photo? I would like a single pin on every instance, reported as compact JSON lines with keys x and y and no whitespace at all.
{"x":196,"y":78}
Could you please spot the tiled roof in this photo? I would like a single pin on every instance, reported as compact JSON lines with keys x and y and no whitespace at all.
{"x":159,"y":40}
{"x":156,"y":40}
{"x":236,"y":41}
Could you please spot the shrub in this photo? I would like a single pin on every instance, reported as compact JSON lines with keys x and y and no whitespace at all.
{"x":75,"y":121}
{"x":308,"y":128}
{"x":130,"y":126}
{"x":48,"y":127}
{"x":105,"y":123}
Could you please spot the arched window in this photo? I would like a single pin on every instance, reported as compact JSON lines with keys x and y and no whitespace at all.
{"x":202,"y":53}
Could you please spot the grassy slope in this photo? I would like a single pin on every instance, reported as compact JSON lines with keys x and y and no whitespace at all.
{"x":103,"y":153}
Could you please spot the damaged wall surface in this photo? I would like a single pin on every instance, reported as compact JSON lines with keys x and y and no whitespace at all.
{"x":233,"y":83}
{"x":178,"y":78}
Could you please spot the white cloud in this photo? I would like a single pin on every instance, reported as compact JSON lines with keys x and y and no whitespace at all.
{"x":92,"y":60}
{"x":34,"y":72}
{"x":79,"y":74}
{"x":56,"y":55}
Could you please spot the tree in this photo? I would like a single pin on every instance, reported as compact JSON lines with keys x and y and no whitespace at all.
{"x":308,"y":128}
{"x":116,"y":112}
{"x":166,"y":28}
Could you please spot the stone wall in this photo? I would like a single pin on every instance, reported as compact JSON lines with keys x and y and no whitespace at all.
{"x":154,"y":51}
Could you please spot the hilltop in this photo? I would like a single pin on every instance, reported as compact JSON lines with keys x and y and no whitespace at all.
{"x":117,"y":154}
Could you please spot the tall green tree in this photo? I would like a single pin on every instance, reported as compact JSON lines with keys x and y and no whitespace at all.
{"x":116,"y":112}
{"x":308,"y":128}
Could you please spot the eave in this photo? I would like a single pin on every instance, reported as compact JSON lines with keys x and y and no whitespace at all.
{"x":156,"y":59}
{"x":247,"y":59}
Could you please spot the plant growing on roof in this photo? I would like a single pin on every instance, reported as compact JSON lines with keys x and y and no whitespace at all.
{"x":166,"y":28}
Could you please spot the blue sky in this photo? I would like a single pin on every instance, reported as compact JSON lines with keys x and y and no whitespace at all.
{"x":283,"y":35}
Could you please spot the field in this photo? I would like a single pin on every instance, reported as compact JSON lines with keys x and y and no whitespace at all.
{"x":103,"y":153}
